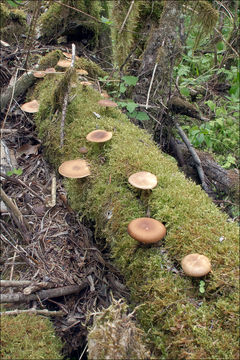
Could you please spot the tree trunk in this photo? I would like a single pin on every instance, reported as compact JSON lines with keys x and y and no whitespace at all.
{"x":160,"y":55}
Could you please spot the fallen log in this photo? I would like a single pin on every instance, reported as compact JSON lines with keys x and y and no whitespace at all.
{"x":179,"y":320}
{"x":21,"y":86}
{"x":43,"y":294}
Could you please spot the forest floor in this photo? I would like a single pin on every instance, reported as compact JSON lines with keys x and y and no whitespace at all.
{"x":58,"y":248}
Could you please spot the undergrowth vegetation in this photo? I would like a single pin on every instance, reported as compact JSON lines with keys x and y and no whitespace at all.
{"x":203,"y":78}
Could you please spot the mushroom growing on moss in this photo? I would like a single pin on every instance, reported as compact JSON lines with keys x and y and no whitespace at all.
{"x":39,"y":74}
{"x":146,"y":230}
{"x":64,"y":63}
{"x":106,"y":103}
{"x":196,"y":265}
{"x":145,"y":181}
{"x":99,"y":136}
{"x":31,"y":106}
{"x":74,"y":169}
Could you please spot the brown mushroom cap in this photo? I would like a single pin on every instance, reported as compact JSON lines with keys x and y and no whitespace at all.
{"x":85,"y":83}
{"x":67,"y":55}
{"x":99,"y":136}
{"x":82,"y":72}
{"x":196,"y":265}
{"x":107,"y":103}
{"x":146,"y":230}
{"x":74,"y":169}
{"x":31,"y":106}
{"x":143,"y":180}
{"x":49,"y":71}
{"x":64,"y":63}
{"x":39,"y":74}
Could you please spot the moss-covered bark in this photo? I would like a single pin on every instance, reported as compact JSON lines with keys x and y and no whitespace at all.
{"x":13,"y":24}
{"x":180,"y":322}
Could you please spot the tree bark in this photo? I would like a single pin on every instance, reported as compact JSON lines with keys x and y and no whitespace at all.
{"x":161,"y":52}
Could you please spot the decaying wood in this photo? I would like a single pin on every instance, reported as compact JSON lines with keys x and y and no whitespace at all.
{"x":43,"y":294}
{"x":21,"y":86}
{"x":224,"y":181}
{"x":195,"y":156}
{"x":33,"y":311}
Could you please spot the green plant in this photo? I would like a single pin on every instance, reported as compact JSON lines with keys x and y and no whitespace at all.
{"x":15,"y":3}
{"x":14,"y":172}
{"x":202,"y":287}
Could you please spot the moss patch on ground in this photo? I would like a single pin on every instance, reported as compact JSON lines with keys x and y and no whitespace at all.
{"x":180,"y":322}
{"x":28,"y":337}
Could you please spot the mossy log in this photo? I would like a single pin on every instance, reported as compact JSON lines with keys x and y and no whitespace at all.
{"x":180,"y":322}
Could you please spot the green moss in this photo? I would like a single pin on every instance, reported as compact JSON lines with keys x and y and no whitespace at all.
{"x":58,"y":19}
{"x":50,"y":60}
{"x":168,"y":299}
{"x":13,"y":21}
{"x":28,"y":337}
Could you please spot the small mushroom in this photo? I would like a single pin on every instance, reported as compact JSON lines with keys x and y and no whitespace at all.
{"x":99,"y":136}
{"x":31,"y":106}
{"x":39,"y":74}
{"x":64,"y":63}
{"x":83,"y":150}
{"x":107,"y":103}
{"x":196,"y":265}
{"x":143,"y":180}
{"x":82,"y":72}
{"x":74,"y":169}
{"x":50,"y":71}
{"x":67,"y":55}
{"x":146,"y":230}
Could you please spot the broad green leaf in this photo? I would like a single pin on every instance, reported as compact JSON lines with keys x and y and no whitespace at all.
{"x":141,"y":115}
{"x":185,"y":91}
{"x":122,"y":88}
{"x":130,"y":80}
{"x":131,"y":106}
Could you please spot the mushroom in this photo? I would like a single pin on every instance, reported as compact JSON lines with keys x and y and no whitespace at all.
{"x":146,"y":230}
{"x":196,"y":265}
{"x":74,"y":169}
{"x":64,"y":63}
{"x":106,"y":103}
{"x":82,"y":72}
{"x":83,"y":150}
{"x":145,"y":181}
{"x":39,"y":74}
{"x":49,"y":71}
{"x":99,"y":136}
{"x":31,"y":106}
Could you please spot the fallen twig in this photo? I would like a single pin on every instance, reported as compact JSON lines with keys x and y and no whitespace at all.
{"x":65,"y":101}
{"x":195,"y":157}
{"x":33,"y":312}
{"x":43,"y":294}
{"x":126,"y":17}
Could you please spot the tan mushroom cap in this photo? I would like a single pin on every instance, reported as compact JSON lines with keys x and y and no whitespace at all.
{"x":99,"y":136}
{"x":85,"y":83}
{"x":67,"y":55}
{"x":146,"y":230}
{"x":74,"y":169}
{"x":64,"y":63}
{"x":196,"y":265}
{"x":31,"y":106}
{"x":82,"y":72}
{"x":143,"y":180}
{"x":39,"y":74}
{"x":107,"y":103}
{"x":50,"y":71}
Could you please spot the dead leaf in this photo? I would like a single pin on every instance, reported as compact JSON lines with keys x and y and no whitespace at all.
{"x":28,"y":149}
